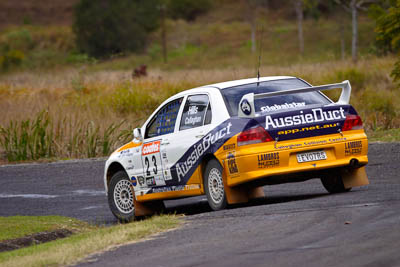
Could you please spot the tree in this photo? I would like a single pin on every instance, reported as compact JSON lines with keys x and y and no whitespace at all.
{"x":252,"y":7}
{"x":162,"y":7}
{"x":384,"y":16}
{"x":107,"y":27}
{"x":342,"y":40}
{"x":353,"y":6}
{"x":299,"y":14}
{"x":188,"y":10}
{"x":388,"y":33}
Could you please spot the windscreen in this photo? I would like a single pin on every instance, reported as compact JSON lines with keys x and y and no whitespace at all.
{"x":233,"y":95}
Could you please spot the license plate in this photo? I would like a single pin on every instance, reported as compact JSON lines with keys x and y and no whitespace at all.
{"x":311,"y":156}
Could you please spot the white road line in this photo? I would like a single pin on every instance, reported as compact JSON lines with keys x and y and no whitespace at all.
{"x":27,"y":196}
{"x":89,"y":192}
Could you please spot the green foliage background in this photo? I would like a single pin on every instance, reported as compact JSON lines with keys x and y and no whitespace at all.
{"x":188,"y":9}
{"x":388,"y":30}
{"x":108,"y":27}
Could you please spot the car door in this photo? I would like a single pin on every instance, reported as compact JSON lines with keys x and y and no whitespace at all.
{"x":194,"y":124}
{"x":157,"y":130}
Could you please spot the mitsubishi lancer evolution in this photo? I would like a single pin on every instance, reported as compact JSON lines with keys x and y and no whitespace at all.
{"x":228,"y":140}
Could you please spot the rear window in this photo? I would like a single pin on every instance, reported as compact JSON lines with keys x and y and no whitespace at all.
{"x":233,"y":95}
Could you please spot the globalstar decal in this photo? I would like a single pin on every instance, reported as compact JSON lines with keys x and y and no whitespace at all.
{"x":316,"y":115}
{"x":182,"y":168}
{"x":283,"y":106}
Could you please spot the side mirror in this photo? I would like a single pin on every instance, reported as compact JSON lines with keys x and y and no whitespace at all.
{"x":137,"y":134}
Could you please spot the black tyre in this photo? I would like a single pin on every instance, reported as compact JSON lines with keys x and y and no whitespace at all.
{"x":121,"y":197}
{"x":333,"y":182}
{"x":214,"y":186}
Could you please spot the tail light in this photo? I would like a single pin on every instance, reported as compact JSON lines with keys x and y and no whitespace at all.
{"x":352,"y":122}
{"x":253,"y":136}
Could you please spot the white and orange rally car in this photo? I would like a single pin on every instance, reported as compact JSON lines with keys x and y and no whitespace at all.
{"x":227,"y":140}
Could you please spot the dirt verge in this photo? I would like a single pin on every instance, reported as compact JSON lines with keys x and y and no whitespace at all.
{"x":35,"y":239}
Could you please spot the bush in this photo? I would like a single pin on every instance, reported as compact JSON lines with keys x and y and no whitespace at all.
{"x":108,"y":27}
{"x":396,"y":72}
{"x":356,"y":77}
{"x":128,"y":98}
{"x":29,"y":139}
{"x":380,"y":108}
{"x":13,"y":47}
{"x":43,"y":137}
{"x":19,"y":40}
{"x":10,"y":58}
{"x":188,"y":9}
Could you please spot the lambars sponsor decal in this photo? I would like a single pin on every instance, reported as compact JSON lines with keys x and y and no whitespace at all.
{"x":150,"y":148}
{"x":268,"y":160}
{"x":316,"y":115}
{"x":353,"y":148}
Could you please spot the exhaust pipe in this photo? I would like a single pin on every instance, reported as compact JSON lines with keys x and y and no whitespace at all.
{"x":354,"y":163}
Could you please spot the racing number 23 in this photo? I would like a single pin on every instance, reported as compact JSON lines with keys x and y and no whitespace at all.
{"x":147,"y":163}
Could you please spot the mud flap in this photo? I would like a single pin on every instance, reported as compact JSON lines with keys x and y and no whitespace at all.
{"x":256,"y":192}
{"x":148,"y":208}
{"x":354,"y":178}
{"x":241,"y":194}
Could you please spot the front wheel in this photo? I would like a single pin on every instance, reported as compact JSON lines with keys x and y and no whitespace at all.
{"x":333,"y":182}
{"x":214,"y":186}
{"x":121,"y":197}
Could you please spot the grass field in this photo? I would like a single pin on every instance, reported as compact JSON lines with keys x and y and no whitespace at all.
{"x":72,"y":114}
{"x":86,"y":240}
{"x":20,"y":226}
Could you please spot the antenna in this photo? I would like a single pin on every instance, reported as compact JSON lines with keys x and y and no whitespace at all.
{"x":259,"y":55}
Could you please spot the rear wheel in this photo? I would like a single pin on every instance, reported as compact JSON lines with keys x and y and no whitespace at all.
{"x":333,"y":183}
{"x":121,"y":197}
{"x":214,"y":186}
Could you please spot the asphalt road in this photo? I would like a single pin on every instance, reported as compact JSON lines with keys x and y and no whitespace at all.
{"x":295,"y":225}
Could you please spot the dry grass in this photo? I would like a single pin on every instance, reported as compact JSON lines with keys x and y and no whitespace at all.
{"x":76,"y":99}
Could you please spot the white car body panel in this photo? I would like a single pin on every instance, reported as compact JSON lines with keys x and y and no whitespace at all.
{"x":131,"y":159}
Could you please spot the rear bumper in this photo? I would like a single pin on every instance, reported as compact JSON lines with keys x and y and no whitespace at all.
{"x":267,"y":162}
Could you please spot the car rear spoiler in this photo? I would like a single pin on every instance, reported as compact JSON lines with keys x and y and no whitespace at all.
{"x":246,"y":104}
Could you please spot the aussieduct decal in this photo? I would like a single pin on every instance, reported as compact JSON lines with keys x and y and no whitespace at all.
{"x":316,"y":115}
{"x":210,"y":143}
{"x":281,"y":126}
{"x":207,"y":144}
{"x":184,"y":168}
{"x":306,"y":122}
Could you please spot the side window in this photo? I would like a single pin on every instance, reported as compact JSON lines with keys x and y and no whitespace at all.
{"x":208,"y":118}
{"x":197,"y":112}
{"x":164,"y":121}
